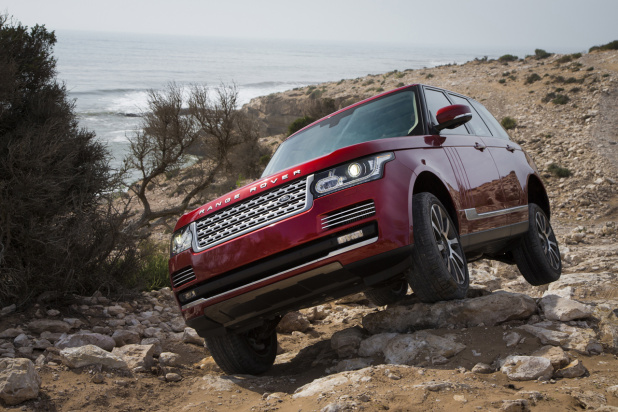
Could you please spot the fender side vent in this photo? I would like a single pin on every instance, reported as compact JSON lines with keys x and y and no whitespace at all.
{"x":348,"y":214}
{"x":183,"y":276}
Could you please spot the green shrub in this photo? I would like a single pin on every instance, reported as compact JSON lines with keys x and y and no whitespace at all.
{"x":541,"y":54}
{"x":508,"y":58}
{"x":609,"y":46}
{"x":532,"y":78}
{"x":548,"y":97}
{"x":299,"y":123}
{"x":508,"y":123}
{"x":564,"y":59}
{"x":380,"y":89}
{"x":558,"y":170}
{"x":560,"y":99}
{"x":368,"y":82}
{"x":400,"y":84}
{"x":502,"y":81}
{"x":429,"y":76}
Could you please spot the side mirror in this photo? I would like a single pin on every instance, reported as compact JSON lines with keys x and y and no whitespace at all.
{"x":450,"y":117}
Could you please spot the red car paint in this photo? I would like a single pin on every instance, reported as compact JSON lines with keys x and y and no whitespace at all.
{"x":483,"y":178}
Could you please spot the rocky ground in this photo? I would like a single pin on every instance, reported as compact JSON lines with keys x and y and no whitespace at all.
{"x":509,"y":346}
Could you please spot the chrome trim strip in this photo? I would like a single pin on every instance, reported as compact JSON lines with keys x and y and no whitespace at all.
{"x":354,"y":217}
{"x":331,"y":254}
{"x":471,"y":214}
{"x":308,"y":205}
{"x":347,"y":211}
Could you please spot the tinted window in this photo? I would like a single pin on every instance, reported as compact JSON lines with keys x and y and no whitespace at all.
{"x":476,"y":125}
{"x":393,"y":115}
{"x":435,"y":101}
{"x":492,"y":123}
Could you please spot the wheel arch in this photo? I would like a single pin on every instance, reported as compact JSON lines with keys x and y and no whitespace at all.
{"x":429,"y":182}
{"x":538,"y":195}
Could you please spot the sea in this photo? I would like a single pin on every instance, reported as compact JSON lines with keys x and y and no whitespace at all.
{"x":108,"y":75}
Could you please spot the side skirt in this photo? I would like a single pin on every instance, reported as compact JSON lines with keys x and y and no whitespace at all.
{"x":485,"y":241}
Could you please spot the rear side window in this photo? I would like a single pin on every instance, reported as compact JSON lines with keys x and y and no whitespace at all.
{"x":476,"y":124}
{"x":492,"y":123}
{"x":437,"y":100}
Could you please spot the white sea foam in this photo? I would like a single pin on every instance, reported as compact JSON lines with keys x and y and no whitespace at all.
{"x":129,"y":102}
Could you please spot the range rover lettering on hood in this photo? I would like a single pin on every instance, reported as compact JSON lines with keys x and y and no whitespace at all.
{"x":262,"y":185}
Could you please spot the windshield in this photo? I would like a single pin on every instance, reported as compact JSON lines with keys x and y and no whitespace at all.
{"x":393,"y":115}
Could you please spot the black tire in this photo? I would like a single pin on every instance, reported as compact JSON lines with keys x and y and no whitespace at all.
{"x":440,"y":269}
{"x":387,"y":294}
{"x":537,"y":255}
{"x":248,"y":353}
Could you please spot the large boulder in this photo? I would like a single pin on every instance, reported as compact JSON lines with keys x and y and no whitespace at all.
{"x":19,"y":381}
{"x":410,"y":349}
{"x":485,"y":310}
{"x":346,"y":342}
{"x":527,"y":368}
{"x":139,"y":358}
{"x":293,"y":321}
{"x":91,"y":355}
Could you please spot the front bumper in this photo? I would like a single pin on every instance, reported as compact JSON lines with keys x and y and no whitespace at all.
{"x":299,"y":261}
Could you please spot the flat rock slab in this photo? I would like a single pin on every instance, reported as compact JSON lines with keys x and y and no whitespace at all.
{"x":83,"y":338}
{"x":485,"y":310}
{"x":582,"y":340}
{"x":559,"y":308}
{"x":48,"y":325}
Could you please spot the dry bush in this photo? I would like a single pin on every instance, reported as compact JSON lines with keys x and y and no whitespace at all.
{"x":57,"y":226}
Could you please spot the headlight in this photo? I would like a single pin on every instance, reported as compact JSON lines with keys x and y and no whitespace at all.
{"x":351,"y":174}
{"x":181,"y":240}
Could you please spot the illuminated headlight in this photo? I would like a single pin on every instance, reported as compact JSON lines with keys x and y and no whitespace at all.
{"x":351,"y":174}
{"x":181,"y":240}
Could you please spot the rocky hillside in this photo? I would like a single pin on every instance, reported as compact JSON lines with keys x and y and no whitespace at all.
{"x":508,"y":346}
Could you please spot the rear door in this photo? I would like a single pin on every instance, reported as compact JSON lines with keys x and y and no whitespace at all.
{"x":477,"y":175}
{"x":511,"y":162}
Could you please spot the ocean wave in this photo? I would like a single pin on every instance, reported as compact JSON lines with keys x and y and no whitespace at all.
{"x":108,"y":91}
{"x":271,"y":84}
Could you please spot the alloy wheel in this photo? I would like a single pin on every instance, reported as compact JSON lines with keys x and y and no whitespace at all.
{"x":448,"y":243}
{"x":548,"y":240}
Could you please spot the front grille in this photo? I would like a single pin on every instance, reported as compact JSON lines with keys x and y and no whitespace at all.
{"x":183,"y":276}
{"x":348,"y":214}
{"x":257,"y":212}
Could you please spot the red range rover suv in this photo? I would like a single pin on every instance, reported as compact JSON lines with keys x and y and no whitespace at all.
{"x":403,"y":188}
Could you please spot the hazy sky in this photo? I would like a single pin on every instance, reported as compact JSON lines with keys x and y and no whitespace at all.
{"x":559,"y":25}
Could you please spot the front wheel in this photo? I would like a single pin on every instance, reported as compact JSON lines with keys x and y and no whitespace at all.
{"x":440,"y":270}
{"x":537,"y":255}
{"x":249,"y":353}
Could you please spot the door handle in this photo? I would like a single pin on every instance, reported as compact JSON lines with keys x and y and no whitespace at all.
{"x":479,"y":146}
{"x":510,"y":148}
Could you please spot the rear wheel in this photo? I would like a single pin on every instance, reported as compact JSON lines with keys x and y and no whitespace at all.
{"x":387,"y":294}
{"x":250,"y":353}
{"x":537,"y":256}
{"x":440,"y":270}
